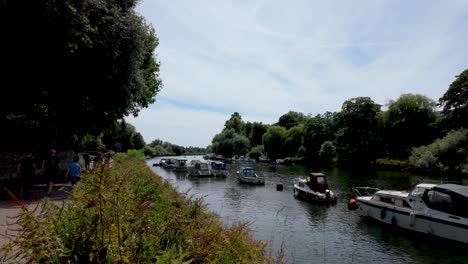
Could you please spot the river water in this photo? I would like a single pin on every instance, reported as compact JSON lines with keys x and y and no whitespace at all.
{"x":311,"y":233}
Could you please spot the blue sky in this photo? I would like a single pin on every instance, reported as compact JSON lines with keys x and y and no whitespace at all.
{"x":265,"y":58}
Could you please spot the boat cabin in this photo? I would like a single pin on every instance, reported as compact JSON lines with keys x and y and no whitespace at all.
{"x":448,"y":198}
{"x":317,"y":182}
{"x":216,"y":165}
{"x":248,"y":172}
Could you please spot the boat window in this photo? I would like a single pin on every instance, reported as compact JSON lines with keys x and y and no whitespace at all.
{"x":320,"y":180}
{"x":383,"y":199}
{"x":406,"y":204}
{"x":443,"y":202}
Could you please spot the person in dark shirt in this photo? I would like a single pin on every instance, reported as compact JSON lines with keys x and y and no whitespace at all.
{"x":87,"y":160}
{"x":51,"y":168}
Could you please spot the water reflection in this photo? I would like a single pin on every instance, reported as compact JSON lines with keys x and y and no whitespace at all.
{"x":314,"y":233}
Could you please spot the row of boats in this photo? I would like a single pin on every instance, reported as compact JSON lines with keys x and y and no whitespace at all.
{"x":210,"y":168}
{"x":195,"y":167}
{"x":440,"y":210}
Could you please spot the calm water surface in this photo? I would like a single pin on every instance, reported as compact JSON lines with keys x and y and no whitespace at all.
{"x":315,"y":233}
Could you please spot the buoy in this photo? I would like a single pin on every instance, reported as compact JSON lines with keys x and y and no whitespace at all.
{"x":352,"y":204}
{"x":279,"y":186}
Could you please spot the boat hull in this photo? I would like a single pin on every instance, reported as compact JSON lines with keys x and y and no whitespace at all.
{"x":415,"y":221}
{"x":251,"y":180}
{"x":312,"y":197}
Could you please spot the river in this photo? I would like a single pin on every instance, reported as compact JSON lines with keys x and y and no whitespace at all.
{"x":311,"y":233}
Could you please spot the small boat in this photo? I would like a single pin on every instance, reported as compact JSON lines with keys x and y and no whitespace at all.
{"x":314,"y":188}
{"x":436,"y":209}
{"x":248,"y":175}
{"x":169,"y":164}
{"x":218,"y":169}
{"x":180,"y":165}
{"x":199,"y":169}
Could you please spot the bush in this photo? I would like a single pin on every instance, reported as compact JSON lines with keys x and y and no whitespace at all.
{"x":392,"y":164}
{"x":139,"y":154}
{"x":448,"y":154}
{"x":127,"y":214}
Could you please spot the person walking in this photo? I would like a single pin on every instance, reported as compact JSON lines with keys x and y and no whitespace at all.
{"x":51,"y":168}
{"x":87,"y":160}
{"x":74,"y":171}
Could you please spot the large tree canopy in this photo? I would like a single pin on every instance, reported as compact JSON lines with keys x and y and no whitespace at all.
{"x":358,"y":130}
{"x":71,"y":67}
{"x":455,"y":101}
{"x":407,"y":123}
{"x":291,"y":119}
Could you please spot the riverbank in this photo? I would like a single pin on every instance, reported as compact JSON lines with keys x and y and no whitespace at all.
{"x":128,"y":214}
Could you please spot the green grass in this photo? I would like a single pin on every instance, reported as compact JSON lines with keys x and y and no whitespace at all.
{"x":127,"y":214}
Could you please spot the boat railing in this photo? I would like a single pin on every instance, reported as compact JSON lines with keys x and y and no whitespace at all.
{"x":364,"y":191}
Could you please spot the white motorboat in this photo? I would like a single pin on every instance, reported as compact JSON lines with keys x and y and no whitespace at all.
{"x":248,"y":175}
{"x":438,"y":210}
{"x":180,"y":165}
{"x":314,"y":188}
{"x":199,"y":169}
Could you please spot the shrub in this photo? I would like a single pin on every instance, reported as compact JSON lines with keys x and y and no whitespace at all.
{"x":448,"y":154}
{"x":127,"y":214}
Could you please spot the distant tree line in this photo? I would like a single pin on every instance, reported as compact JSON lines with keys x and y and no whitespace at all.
{"x":410,"y":133}
{"x":162,"y":148}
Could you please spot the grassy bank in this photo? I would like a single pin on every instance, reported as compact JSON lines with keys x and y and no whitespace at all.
{"x":127,"y":214}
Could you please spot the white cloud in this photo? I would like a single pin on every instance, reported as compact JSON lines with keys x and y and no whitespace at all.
{"x":264,"y":58}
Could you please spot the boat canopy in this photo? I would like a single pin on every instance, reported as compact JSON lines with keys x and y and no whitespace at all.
{"x":448,"y":198}
{"x":248,"y":172}
{"x":453,"y":188}
{"x":318,"y":182}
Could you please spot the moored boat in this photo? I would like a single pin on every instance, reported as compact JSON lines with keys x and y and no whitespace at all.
{"x":436,"y":209}
{"x":218,"y":169}
{"x":180,"y":165}
{"x":199,"y":169}
{"x":248,"y":175}
{"x":314,"y":188}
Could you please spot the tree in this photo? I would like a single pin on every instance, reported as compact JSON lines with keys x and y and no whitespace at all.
{"x":93,"y":63}
{"x":357,"y":135}
{"x":455,"y":102}
{"x":407,"y":123}
{"x":228,"y":143}
{"x":317,"y":130}
{"x":291,"y":119}
{"x":293,"y":140}
{"x":327,"y":153}
{"x":254,"y":132}
{"x":137,"y":141}
{"x":123,"y":134}
{"x":235,"y":123}
{"x":256,"y":152}
{"x":273,"y":141}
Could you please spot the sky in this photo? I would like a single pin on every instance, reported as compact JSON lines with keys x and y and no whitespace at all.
{"x":265,"y":58}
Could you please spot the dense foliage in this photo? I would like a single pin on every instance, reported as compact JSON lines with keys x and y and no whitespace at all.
{"x":129,"y":215}
{"x":73,"y":67}
{"x":361,"y":134}
{"x":455,"y":102}
{"x":161,"y":148}
{"x":446,"y":155}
